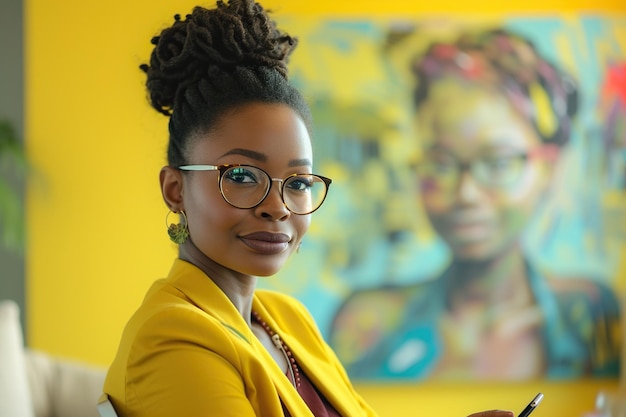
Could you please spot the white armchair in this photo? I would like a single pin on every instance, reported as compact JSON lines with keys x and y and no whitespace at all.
{"x":36,"y":384}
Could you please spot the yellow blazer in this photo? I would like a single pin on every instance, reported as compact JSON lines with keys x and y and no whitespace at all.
{"x":188,"y":352}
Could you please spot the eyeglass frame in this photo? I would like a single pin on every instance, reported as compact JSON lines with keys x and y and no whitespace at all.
{"x":225,"y":167}
{"x":546,"y":151}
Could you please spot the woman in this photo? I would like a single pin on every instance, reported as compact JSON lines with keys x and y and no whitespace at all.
{"x":204,"y":342}
{"x":493,"y":117}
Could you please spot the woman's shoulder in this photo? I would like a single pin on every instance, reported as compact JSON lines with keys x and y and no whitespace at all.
{"x":593,"y":291}
{"x":367,"y":314}
{"x":590,"y":311}
{"x":390,"y":297}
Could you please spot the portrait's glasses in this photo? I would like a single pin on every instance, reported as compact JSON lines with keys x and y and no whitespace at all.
{"x":246,"y":186}
{"x":492,"y":171}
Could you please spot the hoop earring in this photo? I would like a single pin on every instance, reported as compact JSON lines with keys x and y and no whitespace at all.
{"x":178,"y":233}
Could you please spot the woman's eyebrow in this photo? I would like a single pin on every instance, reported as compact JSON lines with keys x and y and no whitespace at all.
{"x":247,"y":152}
{"x":300,"y":162}
{"x":435,"y":145}
{"x":438,"y":148}
{"x":502,"y":148}
{"x":263,"y":158}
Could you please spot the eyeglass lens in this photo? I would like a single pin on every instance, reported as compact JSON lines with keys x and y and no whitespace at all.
{"x":490,"y":171}
{"x":247,"y":187}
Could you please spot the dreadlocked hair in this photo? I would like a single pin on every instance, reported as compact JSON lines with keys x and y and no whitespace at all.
{"x":541,"y":92}
{"x":213,"y":61}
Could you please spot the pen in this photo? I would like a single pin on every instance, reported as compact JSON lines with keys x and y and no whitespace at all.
{"x":531,"y":406}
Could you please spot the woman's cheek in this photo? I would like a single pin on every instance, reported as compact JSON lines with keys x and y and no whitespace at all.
{"x":529,"y":187}
{"x":434,"y":199}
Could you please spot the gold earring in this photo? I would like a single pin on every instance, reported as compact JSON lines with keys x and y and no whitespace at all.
{"x":178,"y":233}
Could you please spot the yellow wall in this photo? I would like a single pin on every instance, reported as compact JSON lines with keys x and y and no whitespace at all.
{"x":96,"y":222}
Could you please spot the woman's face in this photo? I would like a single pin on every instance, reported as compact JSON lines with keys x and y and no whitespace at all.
{"x":255,"y":241}
{"x":482,"y":172}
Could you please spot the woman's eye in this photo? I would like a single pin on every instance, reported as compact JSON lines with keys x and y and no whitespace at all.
{"x":241,"y":175}
{"x":300,"y":183}
{"x":440,"y":167}
{"x":441,"y":162}
{"x":500,"y":163}
{"x":445,"y":166}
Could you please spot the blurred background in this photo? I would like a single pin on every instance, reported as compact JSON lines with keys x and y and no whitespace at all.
{"x":95,"y":239}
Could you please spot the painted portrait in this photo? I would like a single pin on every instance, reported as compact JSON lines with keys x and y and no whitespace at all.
{"x":477,"y":213}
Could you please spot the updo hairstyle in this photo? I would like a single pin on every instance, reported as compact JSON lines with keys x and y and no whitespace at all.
{"x":541,"y":92}
{"x":213,"y":61}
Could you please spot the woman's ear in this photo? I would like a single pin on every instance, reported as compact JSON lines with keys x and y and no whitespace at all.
{"x":172,"y":188}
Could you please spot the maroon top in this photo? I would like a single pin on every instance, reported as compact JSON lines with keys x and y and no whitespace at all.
{"x":318,"y":405}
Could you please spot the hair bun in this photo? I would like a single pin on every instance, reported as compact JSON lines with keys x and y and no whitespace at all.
{"x":234,"y":34}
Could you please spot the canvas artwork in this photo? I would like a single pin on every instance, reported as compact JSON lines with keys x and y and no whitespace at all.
{"x":474,"y":225}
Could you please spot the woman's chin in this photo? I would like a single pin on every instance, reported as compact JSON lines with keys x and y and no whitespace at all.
{"x":266,"y":270}
{"x":474,"y":252}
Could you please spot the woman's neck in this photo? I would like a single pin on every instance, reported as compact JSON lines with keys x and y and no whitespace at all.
{"x":498,"y":280}
{"x":238,"y":287}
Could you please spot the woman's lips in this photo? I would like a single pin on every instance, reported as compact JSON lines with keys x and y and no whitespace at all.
{"x":266,"y":243}
{"x":469,"y":230}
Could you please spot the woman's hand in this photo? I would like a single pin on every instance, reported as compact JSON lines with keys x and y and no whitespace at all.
{"x":493,"y":413}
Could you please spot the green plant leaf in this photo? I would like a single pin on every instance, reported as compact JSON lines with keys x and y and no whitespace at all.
{"x":13,"y":169}
{"x":12,"y":232}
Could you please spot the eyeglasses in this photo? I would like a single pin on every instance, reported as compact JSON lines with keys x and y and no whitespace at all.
{"x":246,"y":186}
{"x":489,"y":171}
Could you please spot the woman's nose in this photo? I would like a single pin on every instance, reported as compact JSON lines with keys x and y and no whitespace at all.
{"x":273,"y":206}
